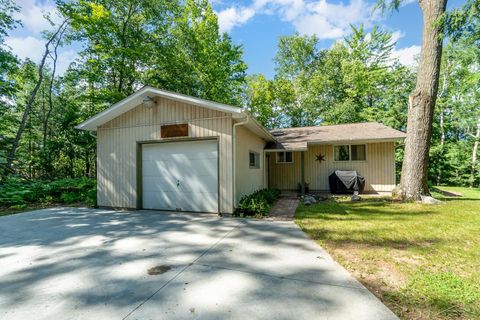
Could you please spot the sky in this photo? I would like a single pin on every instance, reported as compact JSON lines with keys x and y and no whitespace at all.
{"x":256,"y":25}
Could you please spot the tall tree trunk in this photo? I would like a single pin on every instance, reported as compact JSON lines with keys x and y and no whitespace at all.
{"x":421,"y":105}
{"x":474,"y":155}
{"x":50,"y":90}
{"x":31,"y":98}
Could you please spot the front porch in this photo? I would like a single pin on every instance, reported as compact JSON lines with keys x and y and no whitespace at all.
{"x":307,"y":170}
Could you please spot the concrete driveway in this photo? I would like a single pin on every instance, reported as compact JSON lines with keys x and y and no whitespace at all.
{"x":69,"y":263}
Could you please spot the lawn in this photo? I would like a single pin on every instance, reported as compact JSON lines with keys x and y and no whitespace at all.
{"x":422,"y":261}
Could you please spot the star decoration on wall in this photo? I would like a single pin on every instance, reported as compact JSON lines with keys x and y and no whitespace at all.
{"x":320,"y":157}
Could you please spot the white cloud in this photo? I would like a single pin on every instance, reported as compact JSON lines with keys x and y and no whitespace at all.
{"x":26,"y":47}
{"x":32,"y":15}
{"x":407,"y":55}
{"x":232,"y":17}
{"x":332,"y":20}
{"x":65,"y":57}
{"x":325,"y":19}
{"x":397,"y":35}
{"x":318,"y":25}
{"x":287,"y":9}
{"x":33,"y":48}
{"x":27,"y":42}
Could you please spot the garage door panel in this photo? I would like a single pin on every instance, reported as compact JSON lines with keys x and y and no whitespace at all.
{"x":159,"y":184}
{"x":156,"y":168}
{"x":199,"y":184}
{"x":181,"y":175}
{"x":207,"y":200}
{"x":201,"y":167}
{"x":194,"y":154}
{"x":164,"y":199}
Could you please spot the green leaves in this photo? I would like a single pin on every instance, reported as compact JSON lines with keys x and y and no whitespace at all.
{"x":258,"y":203}
{"x":8,"y":62}
{"x":355,"y":80}
{"x":198,"y":60}
{"x":17,"y":192}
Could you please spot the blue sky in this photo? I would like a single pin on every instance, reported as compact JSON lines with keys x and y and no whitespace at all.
{"x":257,"y":25}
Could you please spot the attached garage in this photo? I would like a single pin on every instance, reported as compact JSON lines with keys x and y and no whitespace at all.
{"x":180,"y":176}
{"x":162,"y":150}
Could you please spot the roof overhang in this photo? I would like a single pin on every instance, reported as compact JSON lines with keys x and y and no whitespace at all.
{"x":350,"y":141}
{"x":304,"y":146}
{"x":137,"y":98}
{"x":255,"y":127}
{"x":286,"y":150}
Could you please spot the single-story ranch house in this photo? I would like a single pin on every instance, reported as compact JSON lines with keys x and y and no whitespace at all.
{"x":162,"y":150}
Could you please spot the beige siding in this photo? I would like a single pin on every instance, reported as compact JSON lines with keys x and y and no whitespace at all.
{"x":248,"y":179}
{"x":117,"y":146}
{"x":378,"y":169}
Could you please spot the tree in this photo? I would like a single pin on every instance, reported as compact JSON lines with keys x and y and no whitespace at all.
{"x":421,"y":104}
{"x":197,"y":59}
{"x":8,"y":62}
{"x":259,"y":100}
{"x":355,"y":80}
{"x":55,"y":37}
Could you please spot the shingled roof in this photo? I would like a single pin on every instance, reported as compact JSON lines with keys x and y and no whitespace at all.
{"x":298,"y":138}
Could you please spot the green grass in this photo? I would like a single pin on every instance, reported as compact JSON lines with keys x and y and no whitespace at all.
{"x":423,"y":261}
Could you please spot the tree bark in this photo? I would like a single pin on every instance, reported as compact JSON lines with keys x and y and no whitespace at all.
{"x":414,"y":180}
{"x":474,"y":155}
{"x":31,"y":98}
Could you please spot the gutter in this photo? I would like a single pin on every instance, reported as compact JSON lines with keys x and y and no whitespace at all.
{"x":234,"y":157}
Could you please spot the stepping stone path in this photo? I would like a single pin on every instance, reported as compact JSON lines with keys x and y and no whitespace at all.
{"x":284,"y":209}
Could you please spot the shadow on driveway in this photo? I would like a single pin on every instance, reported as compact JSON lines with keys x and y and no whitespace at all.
{"x":74,"y":263}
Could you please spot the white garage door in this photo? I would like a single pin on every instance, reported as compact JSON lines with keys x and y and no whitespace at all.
{"x":181,"y":176}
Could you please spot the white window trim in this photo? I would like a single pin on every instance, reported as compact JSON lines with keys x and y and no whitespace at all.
{"x":285,"y":162}
{"x":350,"y":152}
{"x":257,"y":160}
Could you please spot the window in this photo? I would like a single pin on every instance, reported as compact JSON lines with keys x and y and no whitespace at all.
{"x":354,"y":152}
{"x":285,"y":157}
{"x":342,"y":153}
{"x":253,"y":160}
{"x":358,"y":152}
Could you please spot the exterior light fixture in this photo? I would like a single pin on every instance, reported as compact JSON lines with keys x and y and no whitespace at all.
{"x":148,"y":102}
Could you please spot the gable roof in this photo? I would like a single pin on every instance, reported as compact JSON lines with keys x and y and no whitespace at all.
{"x":136,"y":98}
{"x":279,"y":139}
{"x":299,"y":138}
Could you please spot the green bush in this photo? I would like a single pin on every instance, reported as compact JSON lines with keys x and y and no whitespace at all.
{"x":258,"y":203}
{"x":18,"y":193}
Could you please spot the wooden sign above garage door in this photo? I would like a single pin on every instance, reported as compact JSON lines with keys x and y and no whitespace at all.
{"x":174,"y":130}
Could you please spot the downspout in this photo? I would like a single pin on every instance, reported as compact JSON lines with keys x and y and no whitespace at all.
{"x":234,"y":161}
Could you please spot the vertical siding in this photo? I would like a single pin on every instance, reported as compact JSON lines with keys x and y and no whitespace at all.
{"x":378,"y":169}
{"x":247,"y":179}
{"x":117,"y":143}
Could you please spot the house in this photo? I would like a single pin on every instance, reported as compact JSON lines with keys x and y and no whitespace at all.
{"x":163,"y":150}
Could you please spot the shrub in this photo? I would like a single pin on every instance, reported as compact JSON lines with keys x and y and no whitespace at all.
{"x":258,"y":203}
{"x":18,"y":193}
